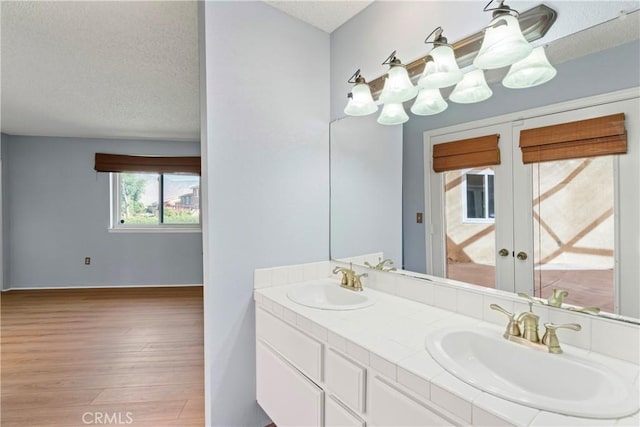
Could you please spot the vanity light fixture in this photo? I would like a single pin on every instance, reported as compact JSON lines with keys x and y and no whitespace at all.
{"x":397,"y":85}
{"x":473,"y":88}
{"x":360,"y":102}
{"x":442,"y":70}
{"x":393,"y":114}
{"x":503,"y":43}
{"x":532,"y":71}
{"x":429,"y":102}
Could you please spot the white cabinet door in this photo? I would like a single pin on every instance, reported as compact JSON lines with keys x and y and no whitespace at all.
{"x":336,"y":415}
{"x":345,"y":379}
{"x":287,"y":396}
{"x":391,"y":407}
{"x":304,"y":352}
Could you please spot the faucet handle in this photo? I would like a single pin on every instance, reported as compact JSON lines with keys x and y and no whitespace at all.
{"x":512,"y":327}
{"x":586,"y":310}
{"x":572,"y":326}
{"x":496,"y":307}
{"x":550,"y":338}
{"x":531,"y":299}
{"x":357,"y":283}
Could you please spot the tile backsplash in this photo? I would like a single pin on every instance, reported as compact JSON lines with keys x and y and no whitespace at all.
{"x":278,"y":276}
{"x":612,"y":338}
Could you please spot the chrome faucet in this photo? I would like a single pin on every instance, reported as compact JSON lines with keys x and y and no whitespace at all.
{"x":381,"y":265}
{"x":350,"y":280}
{"x":529,"y":335}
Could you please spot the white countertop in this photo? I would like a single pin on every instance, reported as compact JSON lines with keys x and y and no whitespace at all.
{"x":389,"y":337}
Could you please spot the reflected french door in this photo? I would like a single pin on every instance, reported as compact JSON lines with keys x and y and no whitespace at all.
{"x":472,"y":228}
{"x":547,"y":225}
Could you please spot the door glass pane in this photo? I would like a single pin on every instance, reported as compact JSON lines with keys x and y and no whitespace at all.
{"x":181,"y":196}
{"x":573,"y":208}
{"x":138,"y":198}
{"x":469,"y":225}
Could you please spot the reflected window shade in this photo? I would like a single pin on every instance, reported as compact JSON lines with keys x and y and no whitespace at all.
{"x":601,"y":136}
{"x":122,"y":163}
{"x":466,"y":153}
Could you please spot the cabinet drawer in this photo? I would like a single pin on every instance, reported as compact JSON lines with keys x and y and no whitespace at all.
{"x":304,"y":352}
{"x":345,"y":379}
{"x":336,"y":415}
{"x":392,"y":407}
{"x":286,"y":395}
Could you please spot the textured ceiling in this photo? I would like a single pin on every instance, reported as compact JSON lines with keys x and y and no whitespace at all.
{"x":326,"y":15}
{"x":100,"y":69}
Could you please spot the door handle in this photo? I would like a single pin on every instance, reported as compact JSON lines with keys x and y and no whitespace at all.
{"x":522,"y":256}
{"x":503,"y":252}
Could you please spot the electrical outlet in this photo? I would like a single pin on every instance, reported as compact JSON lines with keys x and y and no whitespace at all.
{"x":419,"y":217}
{"x":87,"y":261}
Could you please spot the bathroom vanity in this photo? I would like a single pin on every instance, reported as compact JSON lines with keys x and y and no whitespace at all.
{"x":369,"y":365}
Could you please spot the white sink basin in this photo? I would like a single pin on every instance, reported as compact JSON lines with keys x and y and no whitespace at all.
{"x":560,"y":383}
{"x":330,"y":296}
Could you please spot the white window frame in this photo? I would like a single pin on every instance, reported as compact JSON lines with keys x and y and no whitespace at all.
{"x":485,"y":173}
{"x":114,"y":218}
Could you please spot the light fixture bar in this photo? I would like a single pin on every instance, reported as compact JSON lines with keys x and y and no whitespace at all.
{"x":534,"y":23}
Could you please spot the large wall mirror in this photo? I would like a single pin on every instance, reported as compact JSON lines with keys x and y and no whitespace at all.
{"x":374,"y":213}
{"x":366,"y":190}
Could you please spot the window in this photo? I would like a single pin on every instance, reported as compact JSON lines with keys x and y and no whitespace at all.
{"x":155,"y":201}
{"x":477,"y":196}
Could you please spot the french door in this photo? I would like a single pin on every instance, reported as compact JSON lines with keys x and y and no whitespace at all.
{"x":530,"y":228}
{"x":472,"y":218}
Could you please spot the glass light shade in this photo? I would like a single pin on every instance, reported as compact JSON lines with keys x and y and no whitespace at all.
{"x":532,"y":71}
{"x":503,"y":44}
{"x":361,"y":103}
{"x":472,"y":88}
{"x":428,"y":102}
{"x":397,"y":86}
{"x":443,"y":71}
{"x":392,"y":114}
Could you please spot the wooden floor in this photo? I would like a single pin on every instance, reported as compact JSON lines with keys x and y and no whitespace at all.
{"x":84,"y":357}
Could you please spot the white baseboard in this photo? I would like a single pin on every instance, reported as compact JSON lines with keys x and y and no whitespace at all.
{"x":37,"y":288}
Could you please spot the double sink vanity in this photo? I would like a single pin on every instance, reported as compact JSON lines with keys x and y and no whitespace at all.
{"x":402,"y":352}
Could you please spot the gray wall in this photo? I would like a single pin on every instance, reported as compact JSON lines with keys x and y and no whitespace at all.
{"x":266,"y":151}
{"x":590,"y":75}
{"x":57,"y":208}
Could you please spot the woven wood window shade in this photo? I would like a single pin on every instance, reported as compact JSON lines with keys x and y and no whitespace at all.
{"x":585,"y":138}
{"x":122,"y":163}
{"x":466,"y":153}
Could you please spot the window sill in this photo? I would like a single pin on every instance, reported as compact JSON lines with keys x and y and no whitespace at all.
{"x":478,"y":221}
{"x":155,"y":230}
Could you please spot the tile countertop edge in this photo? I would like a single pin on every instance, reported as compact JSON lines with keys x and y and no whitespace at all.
{"x":329,"y":327}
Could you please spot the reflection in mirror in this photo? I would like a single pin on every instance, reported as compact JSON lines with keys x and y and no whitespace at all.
{"x":574,"y":229}
{"x":571,"y":244}
{"x":366,"y":191}
{"x":470,"y":222}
